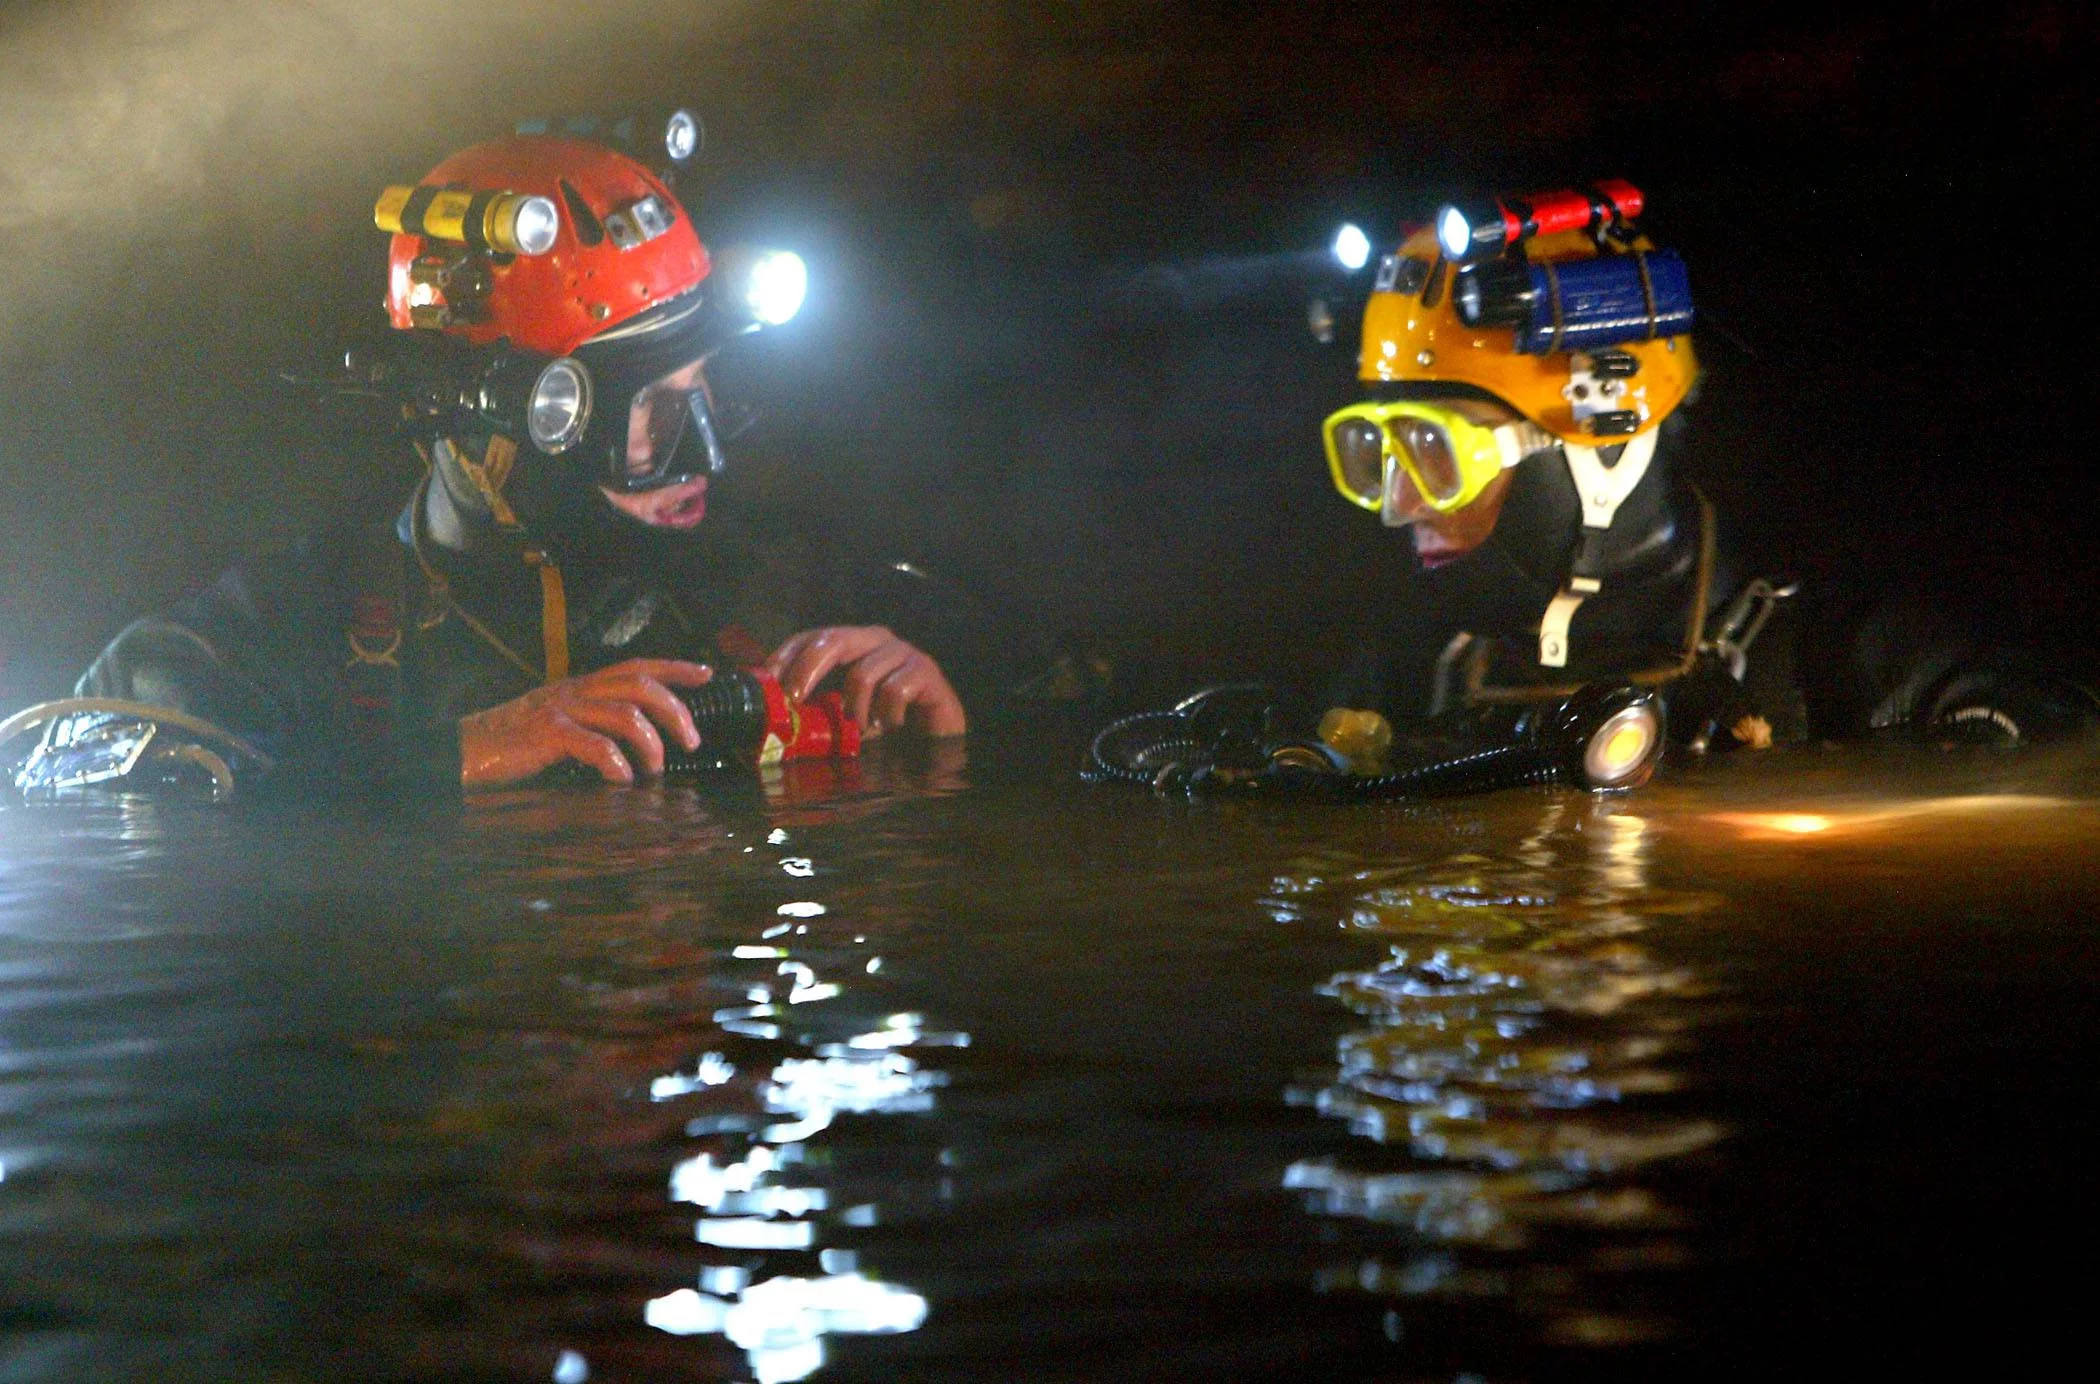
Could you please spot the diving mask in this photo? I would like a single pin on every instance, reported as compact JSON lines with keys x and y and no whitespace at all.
{"x":1447,"y":456}
{"x":661,"y":423}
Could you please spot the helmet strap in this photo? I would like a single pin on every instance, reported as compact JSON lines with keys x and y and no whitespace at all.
{"x":1601,"y":488}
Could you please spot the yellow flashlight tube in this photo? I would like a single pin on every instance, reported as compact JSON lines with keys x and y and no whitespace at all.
{"x":510,"y":223}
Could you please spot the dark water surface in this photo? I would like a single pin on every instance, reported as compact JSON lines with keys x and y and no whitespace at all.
{"x":959,"y":1075}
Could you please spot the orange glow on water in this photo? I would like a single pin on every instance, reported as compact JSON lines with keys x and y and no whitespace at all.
{"x":1801,"y":824}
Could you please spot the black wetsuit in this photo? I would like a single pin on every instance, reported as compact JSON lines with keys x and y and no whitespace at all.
{"x":274,"y":650}
{"x":1669,"y":579}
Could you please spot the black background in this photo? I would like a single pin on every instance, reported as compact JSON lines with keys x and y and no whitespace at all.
{"x":1060,"y":259}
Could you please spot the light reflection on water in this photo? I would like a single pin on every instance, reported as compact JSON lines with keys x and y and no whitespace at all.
{"x":1514,"y":1068}
{"x":799,"y":1048}
{"x":670,"y":1083}
{"x":763,"y":1202}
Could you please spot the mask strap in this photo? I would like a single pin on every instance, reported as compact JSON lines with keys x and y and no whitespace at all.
{"x":1519,"y":440}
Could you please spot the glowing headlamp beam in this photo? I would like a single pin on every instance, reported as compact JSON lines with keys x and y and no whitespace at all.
{"x":778,"y":281}
{"x":1352,"y":248}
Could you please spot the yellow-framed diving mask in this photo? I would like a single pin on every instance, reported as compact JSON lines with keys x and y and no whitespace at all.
{"x":1449,"y":458}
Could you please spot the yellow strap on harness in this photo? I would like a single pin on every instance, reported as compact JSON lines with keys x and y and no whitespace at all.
{"x":488,"y":476}
{"x":490,"y":473}
{"x":554,"y":615}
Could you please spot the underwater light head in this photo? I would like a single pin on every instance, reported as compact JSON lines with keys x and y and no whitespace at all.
{"x":745,"y":716}
{"x":1468,"y":232}
{"x":1604,"y":737}
{"x":1352,"y":248}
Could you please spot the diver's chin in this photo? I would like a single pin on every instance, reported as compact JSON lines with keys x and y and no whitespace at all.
{"x":1433,"y":550}
{"x":684,"y":513}
{"x":677,"y":508}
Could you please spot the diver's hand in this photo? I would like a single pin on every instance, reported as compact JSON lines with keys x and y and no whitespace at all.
{"x":887,"y":683}
{"x":614,"y":720}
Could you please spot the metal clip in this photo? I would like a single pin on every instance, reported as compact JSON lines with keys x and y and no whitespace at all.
{"x":1743,"y":621}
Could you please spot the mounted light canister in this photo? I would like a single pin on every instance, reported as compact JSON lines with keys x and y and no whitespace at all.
{"x":445,"y":386}
{"x":547,"y":401}
{"x":507,"y":222}
{"x":1470,"y":231}
{"x":1578,"y":305}
{"x":673,"y":134}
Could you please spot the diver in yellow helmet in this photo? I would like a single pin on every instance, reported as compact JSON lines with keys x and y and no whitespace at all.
{"x":1521,"y":424}
{"x":1528,"y":370}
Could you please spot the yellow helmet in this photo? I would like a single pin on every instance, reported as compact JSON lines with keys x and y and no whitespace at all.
{"x":1413,"y":333}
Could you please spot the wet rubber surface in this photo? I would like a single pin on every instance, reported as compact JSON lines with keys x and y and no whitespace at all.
{"x":963,"y":1075}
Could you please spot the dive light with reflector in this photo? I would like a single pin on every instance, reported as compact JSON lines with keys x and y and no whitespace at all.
{"x":665,"y":137}
{"x":509,"y":223}
{"x":1578,"y":305}
{"x":1352,"y":247}
{"x":744,"y":716}
{"x":759,"y":287}
{"x":1470,"y":231}
{"x":544,"y":399}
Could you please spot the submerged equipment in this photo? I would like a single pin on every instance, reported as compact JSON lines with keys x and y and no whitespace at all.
{"x":90,"y":742}
{"x":1604,"y":738}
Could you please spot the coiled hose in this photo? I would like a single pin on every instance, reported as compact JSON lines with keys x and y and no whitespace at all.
{"x":1602,"y":738}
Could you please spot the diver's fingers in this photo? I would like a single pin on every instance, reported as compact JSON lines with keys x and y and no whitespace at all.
{"x":587,"y":747}
{"x":626,"y":722}
{"x":674,"y":672}
{"x":663,"y":706}
{"x":866,"y":676}
{"x":919,"y":693}
{"x":785,"y":654}
{"x":809,"y":661}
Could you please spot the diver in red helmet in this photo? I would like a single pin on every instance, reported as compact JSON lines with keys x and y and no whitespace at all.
{"x":556,"y":586}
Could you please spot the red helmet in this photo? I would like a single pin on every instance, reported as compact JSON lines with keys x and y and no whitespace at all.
{"x":571,"y":276}
{"x":623,"y":246}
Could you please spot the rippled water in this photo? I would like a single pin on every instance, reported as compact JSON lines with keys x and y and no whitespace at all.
{"x":941,"y":1073}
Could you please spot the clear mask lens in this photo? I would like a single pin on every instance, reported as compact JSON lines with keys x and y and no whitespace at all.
{"x":671,"y":434}
{"x":1360,"y":449}
{"x":1428,"y":447}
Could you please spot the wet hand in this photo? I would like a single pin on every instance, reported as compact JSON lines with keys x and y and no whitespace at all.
{"x":887,"y":684}
{"x":615,"y":720}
